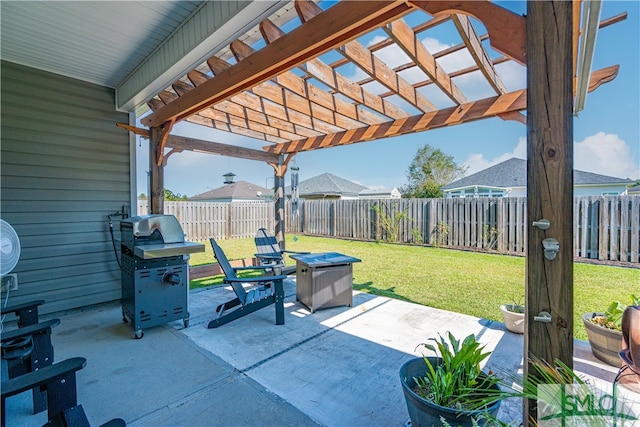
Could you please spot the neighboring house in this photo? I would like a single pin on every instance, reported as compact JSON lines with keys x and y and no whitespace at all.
{"x":509,"y":179}
{"x":241,"y":191}
{"x":327,"y":186}
{"x":634,"y":191}
{"x":380,"y":193}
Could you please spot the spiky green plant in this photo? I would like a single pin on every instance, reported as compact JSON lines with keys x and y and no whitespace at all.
{"x":457,"y":381}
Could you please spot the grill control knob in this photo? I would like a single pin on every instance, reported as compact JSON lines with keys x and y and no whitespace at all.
{"x":171,"y":278}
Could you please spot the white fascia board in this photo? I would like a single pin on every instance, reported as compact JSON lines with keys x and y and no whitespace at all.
{"x":449,"y":190}
{"x":208,"y":30}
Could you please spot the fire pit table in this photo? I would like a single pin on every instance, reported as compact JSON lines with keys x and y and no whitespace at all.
{"x":324,"y":280}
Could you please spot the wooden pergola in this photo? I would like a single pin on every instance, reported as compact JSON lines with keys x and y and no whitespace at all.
{"x":295,"y":94}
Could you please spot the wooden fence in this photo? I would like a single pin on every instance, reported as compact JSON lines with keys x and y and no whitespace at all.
{"x":605,"y":228}
{"x":202,"y":220}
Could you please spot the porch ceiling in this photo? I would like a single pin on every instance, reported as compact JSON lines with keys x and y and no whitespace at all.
{"x":360,"y":71}
{"x":135,"y":47}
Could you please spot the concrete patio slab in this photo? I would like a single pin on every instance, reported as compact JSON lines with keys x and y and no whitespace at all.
{"x":335,"y":367}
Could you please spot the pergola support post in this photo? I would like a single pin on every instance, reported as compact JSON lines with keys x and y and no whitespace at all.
{"x":156,"y":172}
{"x":278,"y":196}
{"x":549,"y":275}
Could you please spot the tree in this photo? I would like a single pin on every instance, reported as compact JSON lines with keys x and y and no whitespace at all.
{"x":429,"y":170}
{"x":170,"y":197}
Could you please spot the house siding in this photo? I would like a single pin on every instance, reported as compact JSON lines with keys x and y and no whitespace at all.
{"x":64,"y":168}
{"x":599,"y":190}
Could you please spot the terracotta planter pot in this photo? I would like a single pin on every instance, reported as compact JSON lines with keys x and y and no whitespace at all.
{"x":424,"y":413}
{"x":513,"y":321}
{"x":605,"y":343}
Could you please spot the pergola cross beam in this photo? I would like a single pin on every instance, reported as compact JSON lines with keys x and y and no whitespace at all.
{"x":490,"y":107}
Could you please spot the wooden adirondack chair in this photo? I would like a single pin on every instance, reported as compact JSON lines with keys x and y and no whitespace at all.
{"x":270,"y":254}
{"x":266,"y":290}
{"x":28,"y":348}
{"x":58,"y":383}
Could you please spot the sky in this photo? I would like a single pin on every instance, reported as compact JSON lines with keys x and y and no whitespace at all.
{"x":606,"y":132}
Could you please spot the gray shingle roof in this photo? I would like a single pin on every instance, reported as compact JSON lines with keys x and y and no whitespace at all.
{"x":513,"y":173}
{"x":634,"y":189}
{"x":238,"y":190}
{"x":327,"y":185}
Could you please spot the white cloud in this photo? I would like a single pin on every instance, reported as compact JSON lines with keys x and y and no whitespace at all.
{"x":476,"y":161}
{"x":602,"y":153}
{"x":514,"y":75}
{"x":606,"y":154}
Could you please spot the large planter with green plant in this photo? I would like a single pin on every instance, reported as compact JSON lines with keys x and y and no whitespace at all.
{"x":513,"y":315}
{"x":451,"y":386}
{"x":513,"y":320}
{"x":604,"y":331}
{"x":605,"y":342}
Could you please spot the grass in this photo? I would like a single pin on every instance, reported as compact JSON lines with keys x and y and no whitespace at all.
{"x":464,"y":282}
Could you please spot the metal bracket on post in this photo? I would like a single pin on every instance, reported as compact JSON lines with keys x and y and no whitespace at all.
{"x":551,"y":248}
{"x":543,"y":317}
{"x":542,"y":224}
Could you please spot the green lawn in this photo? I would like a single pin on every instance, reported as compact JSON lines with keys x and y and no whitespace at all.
{"x":464,"y":282}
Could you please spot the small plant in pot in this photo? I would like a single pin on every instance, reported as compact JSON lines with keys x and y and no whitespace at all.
{"x":451,"y":387}
{"x":513,"y":315}
{"x":604,"y":331}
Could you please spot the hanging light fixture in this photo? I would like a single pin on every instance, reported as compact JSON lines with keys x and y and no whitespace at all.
{"x":294,"y":189}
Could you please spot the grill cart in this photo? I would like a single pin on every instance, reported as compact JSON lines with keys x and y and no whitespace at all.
{"x":155,"y":271}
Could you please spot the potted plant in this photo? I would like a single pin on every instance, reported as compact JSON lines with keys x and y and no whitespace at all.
{"x":451,"y":387}
{"x":604,"y":331}
{"x":513,"y":315}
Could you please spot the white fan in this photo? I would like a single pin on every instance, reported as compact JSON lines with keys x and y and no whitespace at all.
{"x":9,"y":248}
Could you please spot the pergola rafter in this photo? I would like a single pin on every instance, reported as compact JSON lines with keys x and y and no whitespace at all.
{"x":407,"y":40}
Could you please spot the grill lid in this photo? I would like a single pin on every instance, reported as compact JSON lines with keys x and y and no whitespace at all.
{"x":156,"y":236}
{"x":167,"y":225}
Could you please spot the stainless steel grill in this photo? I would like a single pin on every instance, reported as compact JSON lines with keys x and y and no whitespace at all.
{"x":155,"y":271}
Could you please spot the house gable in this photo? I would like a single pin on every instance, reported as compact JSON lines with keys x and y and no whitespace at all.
{"x":234,"y":192}
{"x":509,"y":178}
{"x":327,"y":186}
